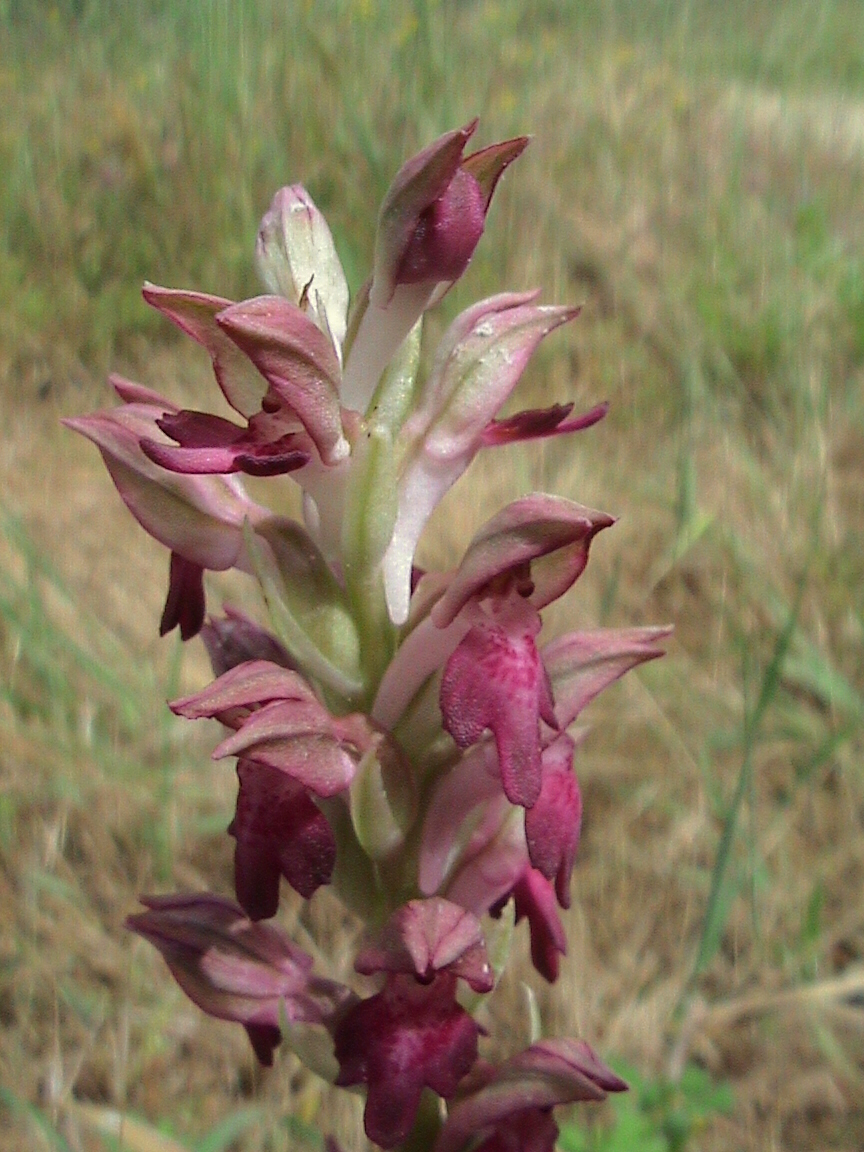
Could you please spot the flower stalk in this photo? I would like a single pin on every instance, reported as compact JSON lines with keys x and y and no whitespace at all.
{"x":401,"y":736}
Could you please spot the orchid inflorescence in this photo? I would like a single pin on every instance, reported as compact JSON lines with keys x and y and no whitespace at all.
{"x":399,"y":734}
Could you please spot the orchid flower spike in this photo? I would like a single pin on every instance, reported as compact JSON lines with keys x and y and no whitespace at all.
{"x":407,"y":740}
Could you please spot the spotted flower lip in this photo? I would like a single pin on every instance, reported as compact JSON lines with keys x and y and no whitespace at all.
{"x":409,"y":1036}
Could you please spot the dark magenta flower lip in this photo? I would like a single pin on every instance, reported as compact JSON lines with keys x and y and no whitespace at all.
{"x":410,"y":1036}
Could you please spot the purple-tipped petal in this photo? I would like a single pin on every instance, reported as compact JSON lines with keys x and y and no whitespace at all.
{"x":407,"y":1037}
{"x":495,"y":679}
{"x":478,"y":363}
{"x":582,"y":664}
{"x":195,"y":314}
{"x":298,"y":361}
{"x":552,"y":826}
{"x":425,"y":937}
{"x":538,"y":423}
{"x":418,"y":185}
{"x":279,"y":832}
{"x":184,"y":606}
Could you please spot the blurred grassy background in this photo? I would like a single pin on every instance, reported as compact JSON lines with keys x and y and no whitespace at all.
{"x":694,"y":179}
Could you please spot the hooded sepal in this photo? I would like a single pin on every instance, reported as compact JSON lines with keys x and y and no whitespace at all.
{"x":538,"y":545}
{"x":234,"y":969}
{"x":278,"y":721}
{"x":425,"y":937}
{"x":427,"y":230}
{"x":302,"y":740}
{"x":296,"y":258}
{"x":242,"y":689}
{"x":509,"y":1109}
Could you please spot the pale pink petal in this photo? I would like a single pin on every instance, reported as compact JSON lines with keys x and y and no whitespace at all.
{"x":582,"y":664}
{"x":195,"y":314}
{"x":199,"y":517}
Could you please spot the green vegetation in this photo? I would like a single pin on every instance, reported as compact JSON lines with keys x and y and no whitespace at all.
{"x":655,"y":1116}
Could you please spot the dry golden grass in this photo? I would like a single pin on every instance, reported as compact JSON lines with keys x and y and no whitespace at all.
{"x":712,"y":230}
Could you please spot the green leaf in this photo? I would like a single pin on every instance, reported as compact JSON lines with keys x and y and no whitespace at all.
{"x":307,"y":607}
